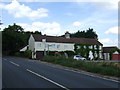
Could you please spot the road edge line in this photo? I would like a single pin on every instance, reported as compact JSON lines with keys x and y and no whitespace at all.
{"x":47,"y":79}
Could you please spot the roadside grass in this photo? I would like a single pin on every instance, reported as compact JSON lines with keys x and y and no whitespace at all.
{"x":103,"y":68}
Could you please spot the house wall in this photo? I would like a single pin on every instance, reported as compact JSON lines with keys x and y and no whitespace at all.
{"x":115,"y":56}
{"x":106,"y":56}
{"x":32,"y":46}
{"x":52,"y":46}
{"x":87,"y":50}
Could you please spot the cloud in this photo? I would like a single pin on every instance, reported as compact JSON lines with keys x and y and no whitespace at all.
{"x":76,"y":24}
{"x":52,"y":28}
{"x":109,"y":42}
{"x":105,"y":41}
{"x":109,"y":5}
{"x":20,"y":10}
{"x":112,"y":30}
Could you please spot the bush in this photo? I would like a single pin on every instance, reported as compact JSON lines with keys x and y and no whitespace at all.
{"x":17,"y":54}
{"x":70,"y":53}
{"x":28,"y":54}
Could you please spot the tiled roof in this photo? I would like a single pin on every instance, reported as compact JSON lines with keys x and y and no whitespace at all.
{"x":108,"y":49}
{"x":57,"y":39}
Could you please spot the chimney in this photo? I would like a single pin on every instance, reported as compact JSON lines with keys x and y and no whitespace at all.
{"x":67,"y":35}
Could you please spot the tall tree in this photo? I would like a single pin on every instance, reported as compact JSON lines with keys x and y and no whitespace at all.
{"x":91,"y":34}
{"x":85,"y":34}
{"x":13,"y":38}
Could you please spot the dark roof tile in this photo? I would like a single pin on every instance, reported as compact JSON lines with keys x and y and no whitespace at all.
{"x":65,"y":40}
{"x":108,"y":49}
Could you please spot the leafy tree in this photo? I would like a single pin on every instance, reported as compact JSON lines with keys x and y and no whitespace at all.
{"x":91,"y":34}
{"x":37,"y":32}
{"x":13,"y":38}
{"x":85,"y":34}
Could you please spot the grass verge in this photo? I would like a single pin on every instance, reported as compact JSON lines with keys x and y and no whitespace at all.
{"x":103,"y":68}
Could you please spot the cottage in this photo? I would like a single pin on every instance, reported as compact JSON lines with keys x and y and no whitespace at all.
{"x":111,"y":53}
{"x":39,"y":44}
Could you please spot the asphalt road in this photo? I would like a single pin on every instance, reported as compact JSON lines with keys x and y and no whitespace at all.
{"x":26,"y":73}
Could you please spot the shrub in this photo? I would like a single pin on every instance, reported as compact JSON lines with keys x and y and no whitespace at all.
{"x":17,"y":54}
{"x":70,"y":53}
{"x":28,"y":53}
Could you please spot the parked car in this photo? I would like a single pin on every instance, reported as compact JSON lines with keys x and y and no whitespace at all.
{"x":78,"y":57}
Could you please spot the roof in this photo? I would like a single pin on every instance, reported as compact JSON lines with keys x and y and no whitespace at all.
{"x":59,"y":39}
{"x":108,"y":49}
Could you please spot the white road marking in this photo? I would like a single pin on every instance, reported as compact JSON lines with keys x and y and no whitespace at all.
{"x":14,"y":63}
{"x":47,"y":79}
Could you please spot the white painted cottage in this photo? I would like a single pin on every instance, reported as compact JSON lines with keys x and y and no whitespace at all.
{"x":38,"y":44}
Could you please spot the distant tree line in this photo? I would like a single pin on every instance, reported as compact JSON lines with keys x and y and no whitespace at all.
{"x":84,"y":34}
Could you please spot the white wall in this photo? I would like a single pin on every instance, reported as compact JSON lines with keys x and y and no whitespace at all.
{"x":40,"y":46}
{"x":106,"y":56}
{"x":31,"y":43}
{"x":32,"y":46}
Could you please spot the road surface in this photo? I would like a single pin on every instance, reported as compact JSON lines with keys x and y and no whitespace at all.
{"x":26,"y":73}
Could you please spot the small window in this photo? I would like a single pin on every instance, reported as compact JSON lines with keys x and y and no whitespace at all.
{"x":65,"y":46}
{"x":58,"y":46}
{"x":78,"y":47}
{"x":39,"y":45}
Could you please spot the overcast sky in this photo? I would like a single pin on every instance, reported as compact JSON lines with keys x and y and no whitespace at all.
{"x":55,"y":18}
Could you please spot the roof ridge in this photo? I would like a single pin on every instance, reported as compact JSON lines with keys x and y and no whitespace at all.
{"x":59,"y":39}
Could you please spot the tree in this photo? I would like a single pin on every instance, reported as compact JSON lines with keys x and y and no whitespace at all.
{"x":85,"y":34}
{"x":13,"y":38}
{"x":91,"y":34}
{"x":37,"y":32}
{"x":15,"y":28}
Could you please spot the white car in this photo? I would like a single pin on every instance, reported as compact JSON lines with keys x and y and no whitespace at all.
{"x":78,"y":57}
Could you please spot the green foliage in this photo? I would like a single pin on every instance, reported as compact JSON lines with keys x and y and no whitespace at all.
{"x":37,"y":32}
{"x":56,"y":53}
{"x":70,"y":53}
{"x":28,"y":53}
{"x":100,"y":68}
{"x":14,"y":38}
{"x":85,"y":34}
{"x":18,"y":54}
{"x":85,"y":51}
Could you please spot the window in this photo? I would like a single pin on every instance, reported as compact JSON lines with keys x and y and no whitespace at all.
{"x":90,"y":47}
{"x":85,"y":47}
{"x":53,"y":45}
{"x":78,"y":47}
{"x":100,"y":47}
{"x":95,"y":47}
{"x":65,"y":46}
{"x":58,"y":46}
{"x":39,"y":45}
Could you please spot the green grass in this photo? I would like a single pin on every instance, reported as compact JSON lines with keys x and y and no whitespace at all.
{"x":104,"y":68}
